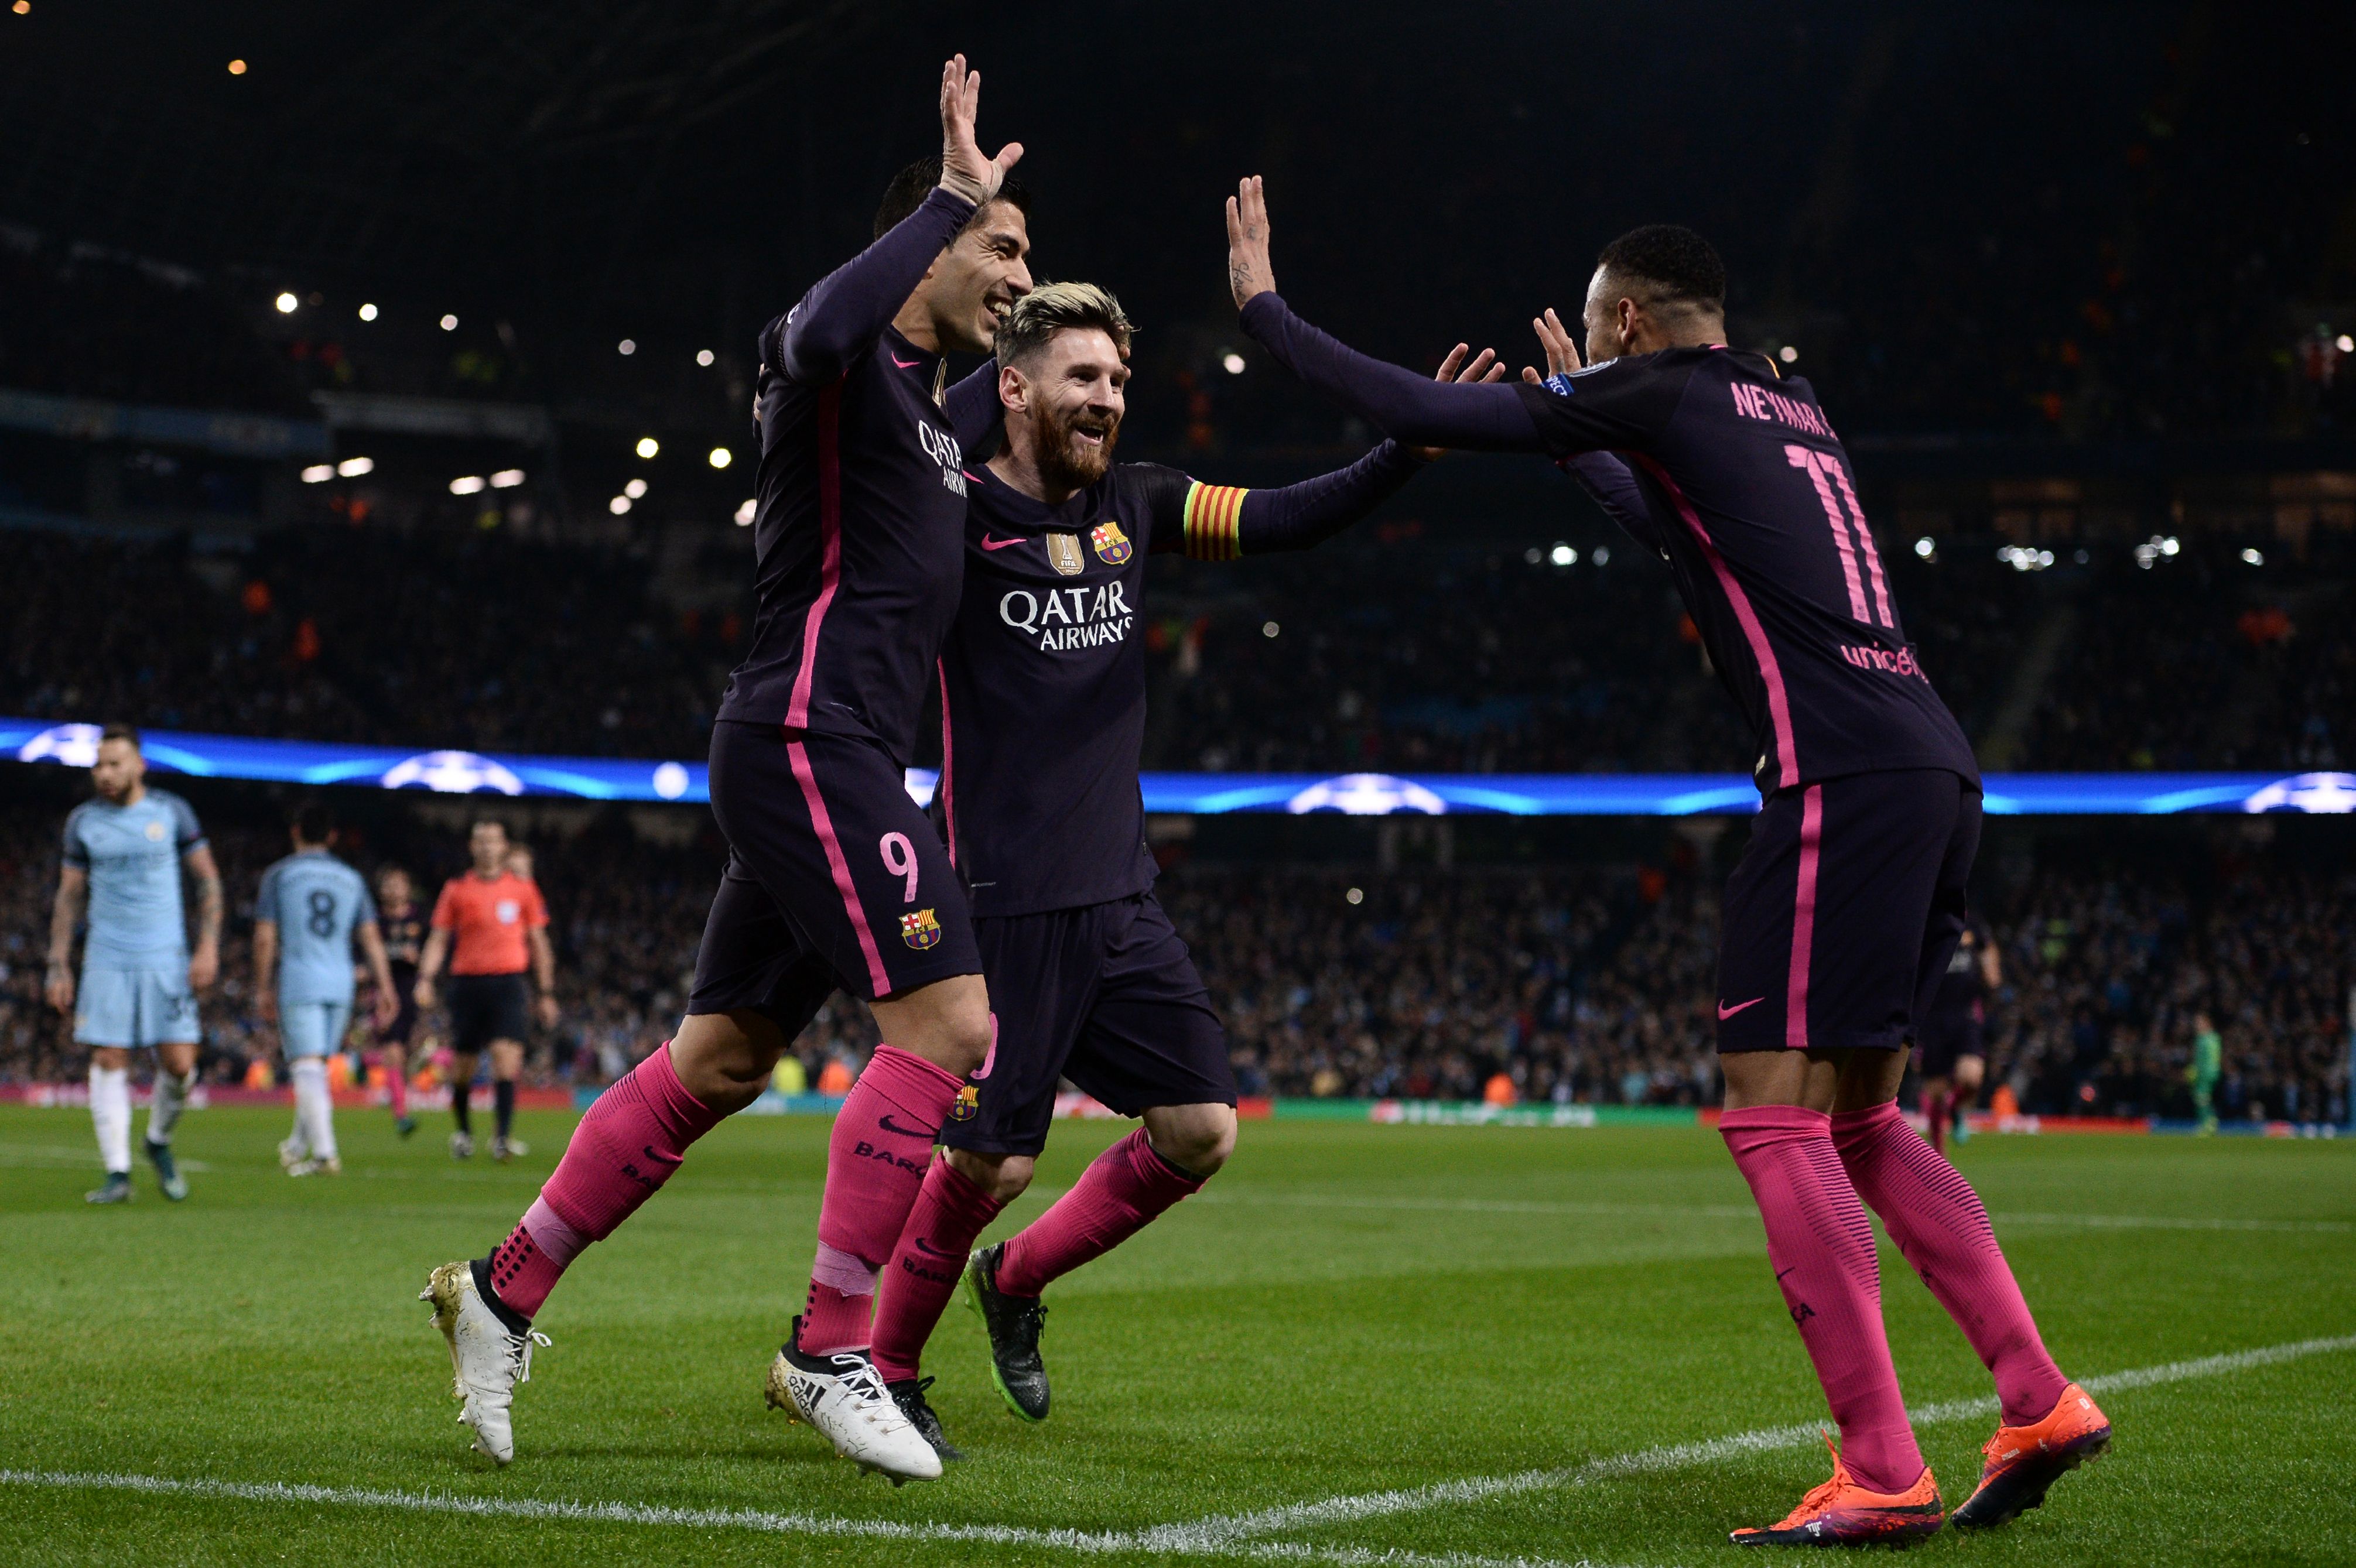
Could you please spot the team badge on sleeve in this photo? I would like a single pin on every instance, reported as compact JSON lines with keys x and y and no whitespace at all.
{"x":1112,"y":545}
{"x":920,"y":930}
{"x":967,"y":1105}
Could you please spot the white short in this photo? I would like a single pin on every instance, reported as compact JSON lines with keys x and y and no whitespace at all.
{"x":135,"y":1006}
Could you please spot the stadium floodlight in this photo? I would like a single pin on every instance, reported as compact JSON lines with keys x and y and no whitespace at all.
{"x":449,"y":324}
{"x":2254,"y":558}
{"x":634,"y":488}
{"x":1787,"y":354}
{"x":1355,"y":896}
{"x":1270,"y":628}
{"x":627,"y":345}
{"x":237,"y":68}
{"x":467,"y":484}
{"x":353,"y":468}
{"x":507,"y":479}
{"x":1602,"y":554}
{"x":2344,"y":342}
{"x":368,"y":313}
{"x":1534,"y":555}
{"x":23,"y":7}
{"x":648,"y":446}
{"x":618,"y":505}
{"x":703,"y":357}
{"x":744,"y":513}
{"x":722,"y":458}
{"x":1563,"y":555}
{"x":1233,"y":362}
{"x":286,"y":303}
{"x":1926,"y":548}
{"x":318,"y":474}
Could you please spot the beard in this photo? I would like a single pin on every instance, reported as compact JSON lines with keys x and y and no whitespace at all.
{"x":1071,"y":465}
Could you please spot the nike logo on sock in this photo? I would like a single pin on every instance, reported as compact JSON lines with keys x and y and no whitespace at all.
{"x":1725,"y":1012}
{"x":989,"y":543}
{"x":889,"y":1126}
{"x":929,"y":1249}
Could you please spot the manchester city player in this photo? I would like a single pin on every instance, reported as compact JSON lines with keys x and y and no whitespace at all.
{"x":311,"y":909}
{"x":835,"y":881}
{"x":124,"y":853}
{"x":1088,"y":980}
{"x":1849,"y":899}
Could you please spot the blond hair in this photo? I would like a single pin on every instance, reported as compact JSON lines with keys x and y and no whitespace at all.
{"x":1052,"y":308}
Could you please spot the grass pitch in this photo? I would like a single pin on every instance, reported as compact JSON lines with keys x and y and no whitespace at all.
{"x":1347,"y":1311}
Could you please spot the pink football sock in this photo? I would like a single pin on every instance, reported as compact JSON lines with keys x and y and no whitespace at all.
{"x":949,"y":1213}
{"x":876,"y":1164}
{"x":1115,"y":1197}
{"x":397,"y":1085}
{"x":1934,"y":1115}
{"x":1938,"y":1224}
{"x":624,"y":1150}
{"x":1821,"y":1246}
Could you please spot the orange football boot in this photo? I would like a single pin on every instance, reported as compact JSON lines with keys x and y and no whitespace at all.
{"x":1843,"y":1514}
{"x":2020,"y":1462}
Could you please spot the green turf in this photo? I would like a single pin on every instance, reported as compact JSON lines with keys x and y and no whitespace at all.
{"x":1347,"y":1310}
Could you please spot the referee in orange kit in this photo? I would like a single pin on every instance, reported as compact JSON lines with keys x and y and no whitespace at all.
{"x":489,"y":925}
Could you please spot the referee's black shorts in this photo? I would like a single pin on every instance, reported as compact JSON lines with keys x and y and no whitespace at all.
{"x":485,"y":1008}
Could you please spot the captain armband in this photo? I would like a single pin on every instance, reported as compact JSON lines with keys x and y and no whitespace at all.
{"x":1214,"y":521}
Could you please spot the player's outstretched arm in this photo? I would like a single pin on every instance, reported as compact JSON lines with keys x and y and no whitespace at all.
{"x":851,"y":305}
{"x":1479,"y":416}
{"x":1222,"y":523}
{"x":204,"y":964}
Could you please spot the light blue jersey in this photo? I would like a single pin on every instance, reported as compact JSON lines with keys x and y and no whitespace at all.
{"x":137,"y":919}
{"x":316,"y":903}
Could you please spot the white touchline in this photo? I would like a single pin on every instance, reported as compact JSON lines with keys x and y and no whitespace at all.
{"x":1208,"y":1533}
{"x":1226,"y":1536}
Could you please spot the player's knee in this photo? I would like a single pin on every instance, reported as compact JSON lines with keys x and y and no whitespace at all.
{"x":1004,"y":1177}
{"x":1196,"y":1138}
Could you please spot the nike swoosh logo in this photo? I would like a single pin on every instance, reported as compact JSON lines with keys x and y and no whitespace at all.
{"x":989,"y":543}
{"x":1781,"y":1272}
{"x":889,"y":1126}
{"x":906,"y":364}
{"x":1725,"y":1012}
{"x":931,"y":1250}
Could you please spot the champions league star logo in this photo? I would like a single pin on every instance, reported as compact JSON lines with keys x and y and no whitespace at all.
{"x":70,"y":745}
{"x":452,"y":772}
{"x":2329,"y":795}
{"x":1366,"y":795}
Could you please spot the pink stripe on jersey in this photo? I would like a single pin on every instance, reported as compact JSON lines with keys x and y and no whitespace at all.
{"x":1802,"y":457}
{"x":1779,"y":701}
{"x":838,"y":866}
{"x":830,"y":529}
{"x":1865,"y":540}
{"x":949,"y":764}
{"x":1804,"y":918}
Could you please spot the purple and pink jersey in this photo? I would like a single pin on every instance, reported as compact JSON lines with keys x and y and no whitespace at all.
{"x":1734,"y":476}
{"x":859,"y":527}
{"x":1043,"y":675}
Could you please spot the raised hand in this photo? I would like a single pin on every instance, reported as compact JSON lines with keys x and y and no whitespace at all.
{"x":964,"y":171}
{"x":1485,"y":367}
{"x":1249,"y":272}
{"x":1554,"y":338}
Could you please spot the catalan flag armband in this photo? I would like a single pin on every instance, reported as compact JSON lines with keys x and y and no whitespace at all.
{"x":1214,"y":521}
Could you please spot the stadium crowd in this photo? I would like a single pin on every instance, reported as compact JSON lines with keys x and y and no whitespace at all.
{"x":1588,"y":985}
{"x":1366,"y":655}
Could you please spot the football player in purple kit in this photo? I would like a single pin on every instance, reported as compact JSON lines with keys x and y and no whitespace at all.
{"x":1042,"y":713}
{"x":1846,"y":905}
{"x":834,"y":877}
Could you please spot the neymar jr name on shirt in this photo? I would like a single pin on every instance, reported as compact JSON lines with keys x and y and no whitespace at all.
{"x":1066,"y":618}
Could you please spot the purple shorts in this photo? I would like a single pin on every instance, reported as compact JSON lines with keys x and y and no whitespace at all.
{"x":1839,"y":920}
{"x":1105,"y":996}
{"x":834,"y":879}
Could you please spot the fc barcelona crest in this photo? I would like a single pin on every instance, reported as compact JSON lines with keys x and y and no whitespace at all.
{"x":920,"y":930}
{"x":1112,"y":545}
{"x":967,"y":1105}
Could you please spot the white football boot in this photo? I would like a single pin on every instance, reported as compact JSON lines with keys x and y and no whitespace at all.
{"x":843,"y":1396}
{"x":489,"y":1359}
{"x":292,"y":1152}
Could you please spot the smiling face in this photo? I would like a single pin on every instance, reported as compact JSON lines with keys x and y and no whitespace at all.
{"x":973,"y":284}
{"x":1064,"y":402}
